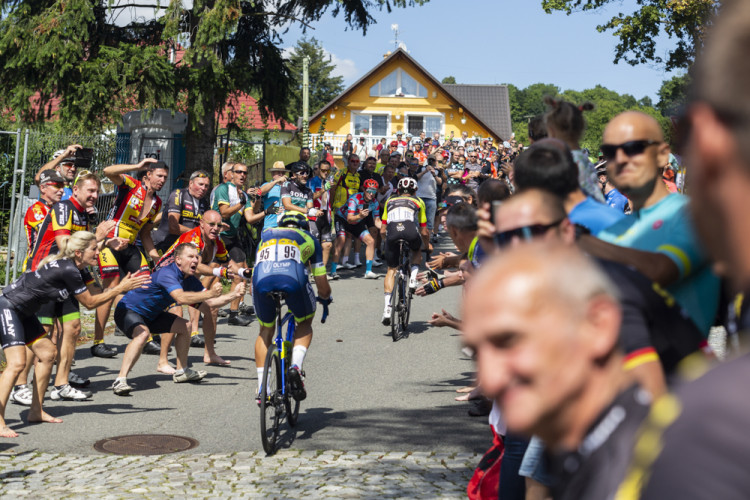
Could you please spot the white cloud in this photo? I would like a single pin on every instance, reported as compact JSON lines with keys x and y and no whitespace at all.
{"x":346,"y":68}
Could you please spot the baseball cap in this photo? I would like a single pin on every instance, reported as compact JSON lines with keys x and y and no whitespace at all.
{"x":50,"y":176}
{"x":394,"y":144}
{"x":453,"y":200}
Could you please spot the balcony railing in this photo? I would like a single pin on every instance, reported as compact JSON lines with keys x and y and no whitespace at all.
{"x":337,"y":141}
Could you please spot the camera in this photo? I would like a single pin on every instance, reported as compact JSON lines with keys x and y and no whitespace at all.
{"x":83,"y":158}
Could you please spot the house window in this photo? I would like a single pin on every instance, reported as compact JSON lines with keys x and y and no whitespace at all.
{"x":370,"y":124}
{"x":398,"y":83}
{"x":430,"y":124}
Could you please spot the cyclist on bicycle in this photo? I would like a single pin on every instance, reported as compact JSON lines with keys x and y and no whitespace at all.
{"x":401,"y":215}
{"x":281,"y":266}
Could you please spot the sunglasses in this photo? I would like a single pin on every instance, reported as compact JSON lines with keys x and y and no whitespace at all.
{"x":504,"y":238}
{"x":198,"y":175}
{"x":55,"y":185}
{"x":371,"y":191}
{"x":81,"y":174}
{"x":630,"y":148}
{"x":241,"y":172}
{"x":325,"y":171}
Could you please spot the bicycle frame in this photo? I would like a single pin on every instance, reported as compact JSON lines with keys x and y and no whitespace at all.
{"x":283,"y":343}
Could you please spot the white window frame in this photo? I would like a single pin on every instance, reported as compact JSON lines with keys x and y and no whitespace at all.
{"x":389,"y":120}
{"x":399,"y":86}
{"x":441,"y":115}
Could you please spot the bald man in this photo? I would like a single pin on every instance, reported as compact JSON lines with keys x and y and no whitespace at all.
{"x":544,"y":325}
{"x":658,"y":238}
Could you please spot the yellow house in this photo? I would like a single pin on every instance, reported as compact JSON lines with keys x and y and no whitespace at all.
{"x":399,"y":95}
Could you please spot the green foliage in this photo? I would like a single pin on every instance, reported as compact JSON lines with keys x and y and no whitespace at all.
{"x":323,"y":86}
{"x":449,"y":80}
{"x":673,"y":94}
{"x":529,"y":102}
{"x":684,"y":21}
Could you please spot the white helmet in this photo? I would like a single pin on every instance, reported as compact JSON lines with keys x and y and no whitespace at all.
{"x":407,"y":184}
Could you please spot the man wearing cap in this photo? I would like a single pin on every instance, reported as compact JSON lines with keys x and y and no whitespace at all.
{"x":63,"y":161}
{"x":612,"y":196}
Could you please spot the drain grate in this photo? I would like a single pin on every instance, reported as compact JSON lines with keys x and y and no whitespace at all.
{"x":145,"y":444}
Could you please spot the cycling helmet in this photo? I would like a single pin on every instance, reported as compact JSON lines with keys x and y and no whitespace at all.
{"x":298,"y":167}
{"x":370,"y":184}
{"x":294,"y":219}
{"x":407,"y":184}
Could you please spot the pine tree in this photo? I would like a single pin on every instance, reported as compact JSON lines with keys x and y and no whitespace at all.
{"x":323,"y":86}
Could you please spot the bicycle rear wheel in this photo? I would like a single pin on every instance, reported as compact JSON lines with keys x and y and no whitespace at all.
{"x":271,"y":401}
{"x":291,"y":404}
{"x":395,"y":305}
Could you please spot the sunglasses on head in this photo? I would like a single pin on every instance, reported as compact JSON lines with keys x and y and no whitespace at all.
{"x":504,"y":238}
{"x":81,"y":174}
{"x":630,"y":148}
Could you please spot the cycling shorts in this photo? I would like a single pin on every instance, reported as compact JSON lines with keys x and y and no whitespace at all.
{"x":114,"y":263}
{"x":300,"y":298}
{"x":358,"y":230}
{"x":17,"y":329}
{"x":396,"y":231}
{"x":236,"y":251}
{"x":320,"y":228}
{"x":67,"y":310}
{"x":126,"y":320}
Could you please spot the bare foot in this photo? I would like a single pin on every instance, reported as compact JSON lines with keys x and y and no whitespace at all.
{"x":216,"y":360}
{"x":167,"y":369}
{"x":7,"y":432}
{"x":468,"y":388}
{"x":476,"y":393}
{"x":46,"y":417}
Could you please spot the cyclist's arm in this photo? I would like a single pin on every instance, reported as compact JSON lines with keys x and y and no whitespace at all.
{"x":115,"y":172}
{"x":148,"y":242}
{"x":324,"y":288}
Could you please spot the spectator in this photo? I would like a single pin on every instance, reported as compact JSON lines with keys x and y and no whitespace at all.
{"x":347,"y":149}
{"x":612,"y":196}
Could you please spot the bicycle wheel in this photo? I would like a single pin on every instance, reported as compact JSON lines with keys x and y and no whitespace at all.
{"x":407,"y":292}
{"x":395,"y":304}
{"x":271,"y":406}
{"x":291,"y":404}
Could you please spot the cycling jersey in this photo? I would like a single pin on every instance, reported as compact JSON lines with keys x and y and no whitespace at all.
{"x":55,"y":281}
{"x":151,"y":301}
{"x":280,"y":265}
{"x":190,"y":210}
{"x":32,"y":220}
{"x":128,"y":207}
{"x":346,"y":184}
{"x":63,"y":218}
{"x":402,"y":208}
{"x":357,"y":203}
{"x":195,"y":236}
{"x":299,"y":194}
{"x":228,"y":194}
{"x":476,"y":253}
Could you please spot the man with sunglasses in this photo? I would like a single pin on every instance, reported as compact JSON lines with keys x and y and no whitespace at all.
{"x":230,"y":200}
{"x":296,"y":196}
{"x":63,"y":161}
{"x":355,"y":220}
{"x":658,"y":238}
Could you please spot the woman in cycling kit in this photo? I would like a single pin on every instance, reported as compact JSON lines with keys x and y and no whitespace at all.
{"x":57,"y":277}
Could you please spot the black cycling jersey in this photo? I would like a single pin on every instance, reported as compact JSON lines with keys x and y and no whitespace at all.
{"x":55,"y":281}
{"x":299,"y":194}
{"x":190,"y":208}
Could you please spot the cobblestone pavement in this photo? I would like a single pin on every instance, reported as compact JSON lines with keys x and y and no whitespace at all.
{"x":288,"y":474}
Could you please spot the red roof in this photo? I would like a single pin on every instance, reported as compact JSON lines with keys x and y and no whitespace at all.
{"x":243,"y":110}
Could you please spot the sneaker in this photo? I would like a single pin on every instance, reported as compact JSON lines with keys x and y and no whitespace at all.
{"x":152,"y":347}
{"x":121,"y":387}
{"x":376,"y":262}
{"x":239,"y":320}
{"x":223,"y":313}
{"x":21,"y":394}
{"x":349,"y":265}
{"x":189,"y":375}
{"x":333,"y":276}
{"x":77,"y":381}
{"x":68,"y":392}
{"x":296,"y":384}
{"x":197,"y":341}
{"x":413,"y":283}
{"x":371,"y":276}
{"x":386,"y":316}
{"x":102,"y":351}
{"x":247,"y":309}
{"x":357,"y":263}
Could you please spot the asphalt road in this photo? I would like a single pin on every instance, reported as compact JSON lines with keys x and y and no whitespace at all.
{"x":365,"y":392}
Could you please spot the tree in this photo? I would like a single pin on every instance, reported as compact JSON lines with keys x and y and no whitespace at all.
{"x":684,"y":21}
{"x":79,"y":53}
{"x":673,"y":95}
{"x":449,"y":80}
{"x":323,"y":86}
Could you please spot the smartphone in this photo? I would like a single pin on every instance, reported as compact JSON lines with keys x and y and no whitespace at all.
{"x":493,"y":209}
{"x":83,"y":157}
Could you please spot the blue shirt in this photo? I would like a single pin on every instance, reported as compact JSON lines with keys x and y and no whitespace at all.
{"x":616,"y":200}
{"x":155,"y":299}
{"x":594,"y":215}
{"x":666,"y":228}
{"x":67,"y":193}
{"x":271,"y":198}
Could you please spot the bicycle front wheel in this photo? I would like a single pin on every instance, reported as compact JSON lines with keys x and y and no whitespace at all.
{"x":271,"y":401}
{"x":395,"y":306}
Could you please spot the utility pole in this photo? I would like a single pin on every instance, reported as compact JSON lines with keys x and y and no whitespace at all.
{"x":305,"y":102}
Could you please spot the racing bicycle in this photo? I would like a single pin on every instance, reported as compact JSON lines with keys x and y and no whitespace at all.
{"x":278,"y":402}
{"x":402,"y":293}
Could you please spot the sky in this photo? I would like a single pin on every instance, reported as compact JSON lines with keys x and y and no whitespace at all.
{"x":492,"y":42}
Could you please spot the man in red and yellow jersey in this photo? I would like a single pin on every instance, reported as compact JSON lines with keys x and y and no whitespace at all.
{"x":51,"y":186}
{"x":133,"y":213}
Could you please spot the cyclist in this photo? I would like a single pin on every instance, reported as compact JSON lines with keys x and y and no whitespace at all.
{"x":281,"y":266}
{"x":296,"y":196}
{"x":57,"y":278}
{"x":133,"y":211}
{"x":355,"y":218}
{"x":401,"y":215}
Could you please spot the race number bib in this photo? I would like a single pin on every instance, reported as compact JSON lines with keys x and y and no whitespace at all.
{"x":278,"y":250}
{"x":401,"y":214}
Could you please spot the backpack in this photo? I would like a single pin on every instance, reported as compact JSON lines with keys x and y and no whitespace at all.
{"x":485,"y":482}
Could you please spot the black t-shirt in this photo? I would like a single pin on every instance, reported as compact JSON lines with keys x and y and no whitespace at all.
{"x":366,"y":174}
{"x":595,"y":469}
{"x":55,"y":281}
{"x":190,"y":208}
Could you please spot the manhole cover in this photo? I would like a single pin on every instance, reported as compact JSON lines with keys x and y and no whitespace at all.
{"x":145,"y":444}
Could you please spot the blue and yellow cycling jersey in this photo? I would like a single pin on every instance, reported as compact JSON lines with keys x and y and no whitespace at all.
{"x":286,"y":251}
{"x":666,"y":228}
